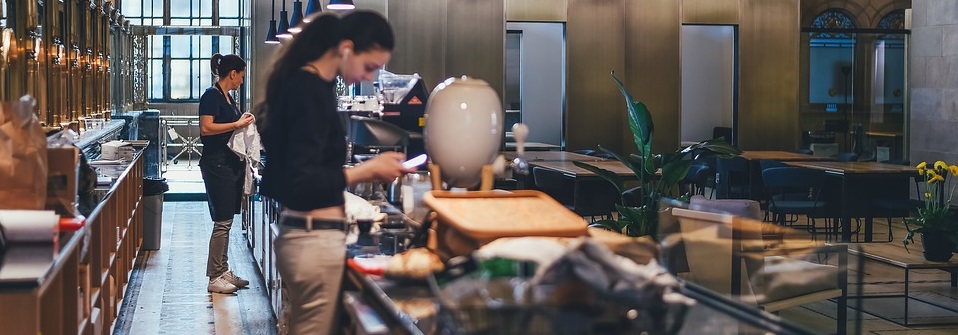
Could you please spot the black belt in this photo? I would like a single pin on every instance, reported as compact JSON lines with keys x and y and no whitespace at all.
{"x":312,"y":223}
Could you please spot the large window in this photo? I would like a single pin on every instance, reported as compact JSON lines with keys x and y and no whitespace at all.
{"x":179,"y":64}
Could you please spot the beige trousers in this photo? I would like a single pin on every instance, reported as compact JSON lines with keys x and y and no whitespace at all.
{"x":311,"y":264}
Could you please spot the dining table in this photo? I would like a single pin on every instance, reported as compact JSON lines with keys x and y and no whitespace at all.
{"x":755,"y":157}
{"x":857,"y":185}
{"x":561,"y":156}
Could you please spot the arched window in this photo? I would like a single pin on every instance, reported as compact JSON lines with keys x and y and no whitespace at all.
{"x":895,"y":20}
{"x":831,"y":59}
{"x":832,"y":19}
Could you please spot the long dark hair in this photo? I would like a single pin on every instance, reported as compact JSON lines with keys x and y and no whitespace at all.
{"x":366,"y":29}
{"x":222,"y":65}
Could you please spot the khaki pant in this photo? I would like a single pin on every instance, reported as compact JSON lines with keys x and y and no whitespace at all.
{"x":311,"y":264}
{"x":217,"y":262}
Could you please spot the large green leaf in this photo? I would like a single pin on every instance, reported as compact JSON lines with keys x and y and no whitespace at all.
{"x":672,"y":172}
{"x":641,"y":220}
{"x":640,"y":120}
{"x":610,"y":176}
{"x":716,"y":147}
{"x":624,"y":160}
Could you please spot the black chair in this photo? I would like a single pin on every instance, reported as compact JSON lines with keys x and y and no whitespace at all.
{"x":846,"y":157}
{"x":732,"y":180}
{"x":588,"y":199}
{"x":724,"y":133}
{"x":771,"y":163}
{"x":891,"y":208}
{"x":795,"y":190}
{"x":697,"y":179}
{"x":805,"y":152}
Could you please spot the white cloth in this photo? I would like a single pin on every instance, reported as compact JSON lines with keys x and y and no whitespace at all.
{"x":246,"y":144}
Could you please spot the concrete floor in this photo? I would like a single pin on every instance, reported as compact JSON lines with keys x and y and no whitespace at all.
{"x":167,"y":294}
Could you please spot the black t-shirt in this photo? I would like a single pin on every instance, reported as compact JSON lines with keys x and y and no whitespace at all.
{"x":305,"y":145}
{"x":213,"y":103}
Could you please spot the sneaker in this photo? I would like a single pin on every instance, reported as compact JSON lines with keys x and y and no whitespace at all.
{"x":221,"y":285}
{"x":234,"y":279}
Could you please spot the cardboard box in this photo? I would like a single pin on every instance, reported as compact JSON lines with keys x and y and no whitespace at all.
{"x":62,"y":174}
{"x":116,"y":150}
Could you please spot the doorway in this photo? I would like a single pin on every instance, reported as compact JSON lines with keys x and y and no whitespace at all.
{"x":535,"y":79}
{"x":709,"y":83}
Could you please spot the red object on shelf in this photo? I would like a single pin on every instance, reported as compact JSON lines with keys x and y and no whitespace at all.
{"x":72,"y":224}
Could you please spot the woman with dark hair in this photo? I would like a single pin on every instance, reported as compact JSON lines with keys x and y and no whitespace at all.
{"x":223,"y":171}
{"x":305,"y":147}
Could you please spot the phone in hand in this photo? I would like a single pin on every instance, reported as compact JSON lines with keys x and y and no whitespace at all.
{"x":414,"y":162}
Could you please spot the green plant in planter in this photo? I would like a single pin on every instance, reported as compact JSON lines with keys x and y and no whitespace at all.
{"x":642,"y":220}
{"x":935,"y":218}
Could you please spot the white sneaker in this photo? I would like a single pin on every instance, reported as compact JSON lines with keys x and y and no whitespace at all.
{"x":221,"y":285}
{"x":234,"y":279}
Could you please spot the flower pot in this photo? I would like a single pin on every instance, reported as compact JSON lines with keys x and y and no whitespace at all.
{"x":937,"y":247}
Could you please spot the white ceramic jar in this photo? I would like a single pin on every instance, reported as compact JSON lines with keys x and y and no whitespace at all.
{"x":463,"y":129}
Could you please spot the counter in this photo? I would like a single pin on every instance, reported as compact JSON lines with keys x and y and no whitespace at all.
{"x":376,"y":305}
{"x":76,"y":285}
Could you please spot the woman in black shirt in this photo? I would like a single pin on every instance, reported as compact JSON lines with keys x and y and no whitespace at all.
{"x":222,"y":170}
{"x":305,"y":147}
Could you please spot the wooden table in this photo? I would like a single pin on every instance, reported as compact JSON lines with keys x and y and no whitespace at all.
{"x":860,"y":183}
{"x":569,"y":169}
{"x":537,"y":156}
{"x":783,"y":156}
{"x":754,"y":158}
{"x":895,"y":254}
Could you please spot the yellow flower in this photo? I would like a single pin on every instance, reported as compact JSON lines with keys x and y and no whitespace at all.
{"x":922,"y":165}
{"x":938,"y":177}
{"x":939,"y":165}
{"x":933,"y":176}
{"x":927,"y":195}
{"x":954,"y":170}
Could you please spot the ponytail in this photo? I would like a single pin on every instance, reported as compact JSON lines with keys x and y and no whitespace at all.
{"x":222,"y":65}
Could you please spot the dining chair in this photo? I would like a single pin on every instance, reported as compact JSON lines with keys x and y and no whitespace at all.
{"x":897,"y":207}
{"x":795,"y":190}
{"x":592,"y":198}
{"x":732,"y":178}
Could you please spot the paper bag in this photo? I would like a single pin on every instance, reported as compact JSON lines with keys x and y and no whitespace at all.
{"x":23,"y":156}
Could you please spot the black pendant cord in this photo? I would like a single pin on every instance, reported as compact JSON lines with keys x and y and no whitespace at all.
{"x":273,"y":11}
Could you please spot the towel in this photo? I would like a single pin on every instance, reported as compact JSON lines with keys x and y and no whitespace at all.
{"x":246,"y":144}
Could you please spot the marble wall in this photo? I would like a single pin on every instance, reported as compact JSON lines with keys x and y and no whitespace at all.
{"x":933,"y":75}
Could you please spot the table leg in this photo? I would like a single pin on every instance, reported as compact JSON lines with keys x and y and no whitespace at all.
{"x":954,"y":277}
{"x":868,"y":228}
{"x":846,"y":220}
{"x":906,"y":296}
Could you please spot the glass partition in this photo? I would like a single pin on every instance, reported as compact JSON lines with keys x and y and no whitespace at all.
{"x":853,"y":87}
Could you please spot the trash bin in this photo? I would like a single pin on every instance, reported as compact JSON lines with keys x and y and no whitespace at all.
{"x":153,"y":190}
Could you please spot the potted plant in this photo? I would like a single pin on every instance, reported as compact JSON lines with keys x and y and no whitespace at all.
{"x":642,"y":219}
{"x":935,"y":222}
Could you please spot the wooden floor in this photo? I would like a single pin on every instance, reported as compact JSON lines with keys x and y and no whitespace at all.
{"x":168,"y":295}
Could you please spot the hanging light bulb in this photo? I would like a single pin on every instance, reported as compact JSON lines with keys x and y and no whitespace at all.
{"x":283,"y":30}
{"x":271,"y":33}
{"x":295,"y":22}
{"x":312,"y":7}
{"x":341,"y":4}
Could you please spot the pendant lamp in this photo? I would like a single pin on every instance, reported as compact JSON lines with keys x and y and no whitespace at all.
{"x":295,"y":22}
{"x":340,"y":4}
{"x":283,"y":31}
{"x":312,"y":7}
{"x":271,"y":33}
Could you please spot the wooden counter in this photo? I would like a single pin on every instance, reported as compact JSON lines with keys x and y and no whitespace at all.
{"x":77,"y":285}
{"x":783,"y":156}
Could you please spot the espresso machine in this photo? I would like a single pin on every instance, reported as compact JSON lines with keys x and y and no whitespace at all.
{"x":404,"y":104}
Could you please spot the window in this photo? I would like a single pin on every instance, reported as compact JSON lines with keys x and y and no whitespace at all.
{"x":179,"y":65}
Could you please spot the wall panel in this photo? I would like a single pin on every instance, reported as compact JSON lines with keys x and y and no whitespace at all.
{"x":420,"y":31}
{"x":475,"y":40}
{"x":594,"y":36}
{"x":768,"y":56}
{"x":653,"y":72}
{"x":710,"y":11}
{"x":537,"y":10}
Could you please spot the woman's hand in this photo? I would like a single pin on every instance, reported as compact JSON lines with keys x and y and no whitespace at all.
{"x":245,"y":120}
{"x":384,"y":167}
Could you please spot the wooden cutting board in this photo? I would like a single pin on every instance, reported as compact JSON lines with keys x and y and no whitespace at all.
{"x":487,"y":215}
